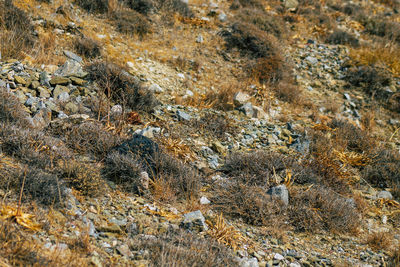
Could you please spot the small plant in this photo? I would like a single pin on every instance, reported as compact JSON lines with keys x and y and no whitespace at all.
{"x":340,"y":37}
{"x":132,"y":23}
{"x":379,"y":240}
{"x":87,"y":47}
{"x":94,"y":6}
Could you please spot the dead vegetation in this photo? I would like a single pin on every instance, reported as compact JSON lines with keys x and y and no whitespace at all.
{"x":342,"y":38}
{"x":87,"y":47}
{"x":379,"y":240}
{"x":131,"y":22}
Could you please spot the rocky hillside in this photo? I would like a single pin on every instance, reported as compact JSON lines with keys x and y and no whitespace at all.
{"x":199,"y":133}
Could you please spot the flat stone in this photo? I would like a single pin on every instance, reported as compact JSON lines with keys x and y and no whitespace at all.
{"x":155,"y":88}
{"x":19,"y":79}
{"x":43,"y":92}
{"x":183,"y":116}
{"x":71,"y":107}
{"x":194,"y":221}
{"x":72,"y":55}
{"x":59,"y":81}
{"x":35,"y":84}
{"x":279,"y":192}
{"x":78,"y":81}
{"x":240,"y":99}
{"x":70,"y":68}
{"x":59,"y":89}
{"x":385,"y":195}
{"x":247,"y":109}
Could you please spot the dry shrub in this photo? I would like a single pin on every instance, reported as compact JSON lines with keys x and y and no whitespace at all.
{"x":260,"y":168}
{"x":11,"y":110}
{"x":320,"y":208}
{"x":32,"y":147}
{"x":94,"y":6}
{"x":88,"y":137}
{"x":288,"y":92}
{"x":250,"y":203}
{"x":395,"y":258}
{"x":17,"y":31}
{"x":384,"y":170}
{"x":83,"y":177}
{"x":183,"y":249}
{"x":379,"y":240}
{"x":121,"y":86}
{"x":265,"y":22}
{"x":269,"y":70}
{"x":124,"y":169}
{"x":87,"y":47}
{"x":142,"y":6}
{"x":394,"y":102}
{"x":387,"y":29}
{"x":214,"y":124}
{"x":222,"y":98}
{"x":351,"y":137}
{"x":340,"y":37}
{"x":175,"y":6}
{"x":249,"y":4}
{"x":132,"y":23}
{"x":251,"y":41}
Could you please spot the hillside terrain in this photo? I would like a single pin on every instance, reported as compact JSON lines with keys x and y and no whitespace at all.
{"x":200,"y":133}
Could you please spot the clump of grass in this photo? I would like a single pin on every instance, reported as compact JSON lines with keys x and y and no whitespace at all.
{"x":340,"y":37}
{"x":11,"y":110}
{"x":222,"y":98}
{"x":266,"y":22}
{"x":132,"y":23}
{"x":183,"y":249}
{"x":176,"y":6}
{"x":269,"y":70}
{"x":251,"y":41}
{"x":215,"y":124}
{"x":289,"y":92}
{"x":17,"y":31}
{"x":94,"y":6}
{"x":319,"y":209}
{"x":142,"y":6}
{"x":83,"y":177}
{"x":121,"y":86}
{"x":87,"y":47}
{"x":379,"y":240}
{"x":383,"y":171}
{"x":395,"y":257}
{"x":389,"y":30}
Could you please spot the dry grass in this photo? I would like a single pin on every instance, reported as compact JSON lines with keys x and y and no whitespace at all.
{"x":16,"y":31}
{"x":11,"y":110}
{"x":342,"y":38}
{"x":395,"y":257}
{"x":131,"y":22}
{"x":183,"y":249}
{"x":379,"y":241}
{"x":87,"y":47}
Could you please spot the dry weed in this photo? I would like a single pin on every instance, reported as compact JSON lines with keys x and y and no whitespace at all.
{"x":379,"y":240}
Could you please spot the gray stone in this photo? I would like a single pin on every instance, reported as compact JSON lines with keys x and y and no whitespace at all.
{"x":204,"y":201}
{"x":347,"y":96}
{"x":384,"y":195}
{"x":240,"y":99}
{"x":247,"y":109}
{"x":63,"y":97}
{"x":155,"y":88}
{"x":245,"y":262}
{"x":279,"y":192}
{"x":194,"y":221}
{"x":291,"y":4}
{"x":44,"y":79}
{"x":59,"y":81}
{"x":59,"y":90}
{"x":70,"y":68}
{"x":71,"y":107}
{"x":43,"y":92}
{"x":116,"y":110}
{"x":199,"y":39}
{"x":148,"y":132}
{"x":183,"y":116}
{"x":312,"y":60}
{"x":222,"y":17}
{"x":3,"y":84}
{"x":72,"y":56}
{"x":259,"y":113}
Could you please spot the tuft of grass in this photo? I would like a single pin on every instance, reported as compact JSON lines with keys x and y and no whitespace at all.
{"x":289,"y":92}
{"x":270,"y":69}
{"x":17,"y":30}
{"x":131,"y":22}
{"x":122,"y":87}
{"x":340,"y":37}
{"x":87,"y":47}
{"x":183,"y":249}
{"x":94,"y":6}
{"x":142,"y":6}
{"x":11,"y":110}
{"x":379,"y":240}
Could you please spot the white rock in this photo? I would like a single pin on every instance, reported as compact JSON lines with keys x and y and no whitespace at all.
{"x":204,"y":201}
{"x":240,"y":98}
{"x":278,"y":257}
{"x":155,"y":88}
{"x":129,"y":64}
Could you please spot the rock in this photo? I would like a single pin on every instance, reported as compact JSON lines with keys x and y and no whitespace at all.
{"x":72,"y":56}
{"x":78,"y":81}
{"x":116,"y":110}
{"x":278,"y":257}
{"x":312,"y":60}
{"x":130,"y":64}
{"x":259,"y":113}
{"x":155,"y":88}
{"x":347,"y":96}
{"x":279,"y":192}
{"x":109,"y":228}
{"x":222,"y":17}
{"x":291,"y":4}
{"x":70,"y":68}
{"x":62,"y":115}
{"x":63,"y":97}
{"x":245,"y":262}
{"x":247,"y":109}
{"x":204,"y":201}
{"x":44,"y":79}
{"x":181,"y":75}
{"x":194,"y":221}
{"x":59,"y":90}
{"x":218,"y":147}
{"x":59,"y":81}
{"x":3,"y":84}
{"x":144,"y":180}
{"x":71,"y":107}
{"x":148,"y":132}
{"x":199,"y":39}
{"x":183,"y":116}
{"x":385,"y":195}
{"x":239,"y":99}
{"x":35,"y":84}
{"x":125,"y":251}
{"x":20,"y":80}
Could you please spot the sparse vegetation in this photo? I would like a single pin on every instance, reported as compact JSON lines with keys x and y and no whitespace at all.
{"x":342,"y":38}
{"x":379,"y":240}
{"x":87,"y":47}
{"x":132,"y":23}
